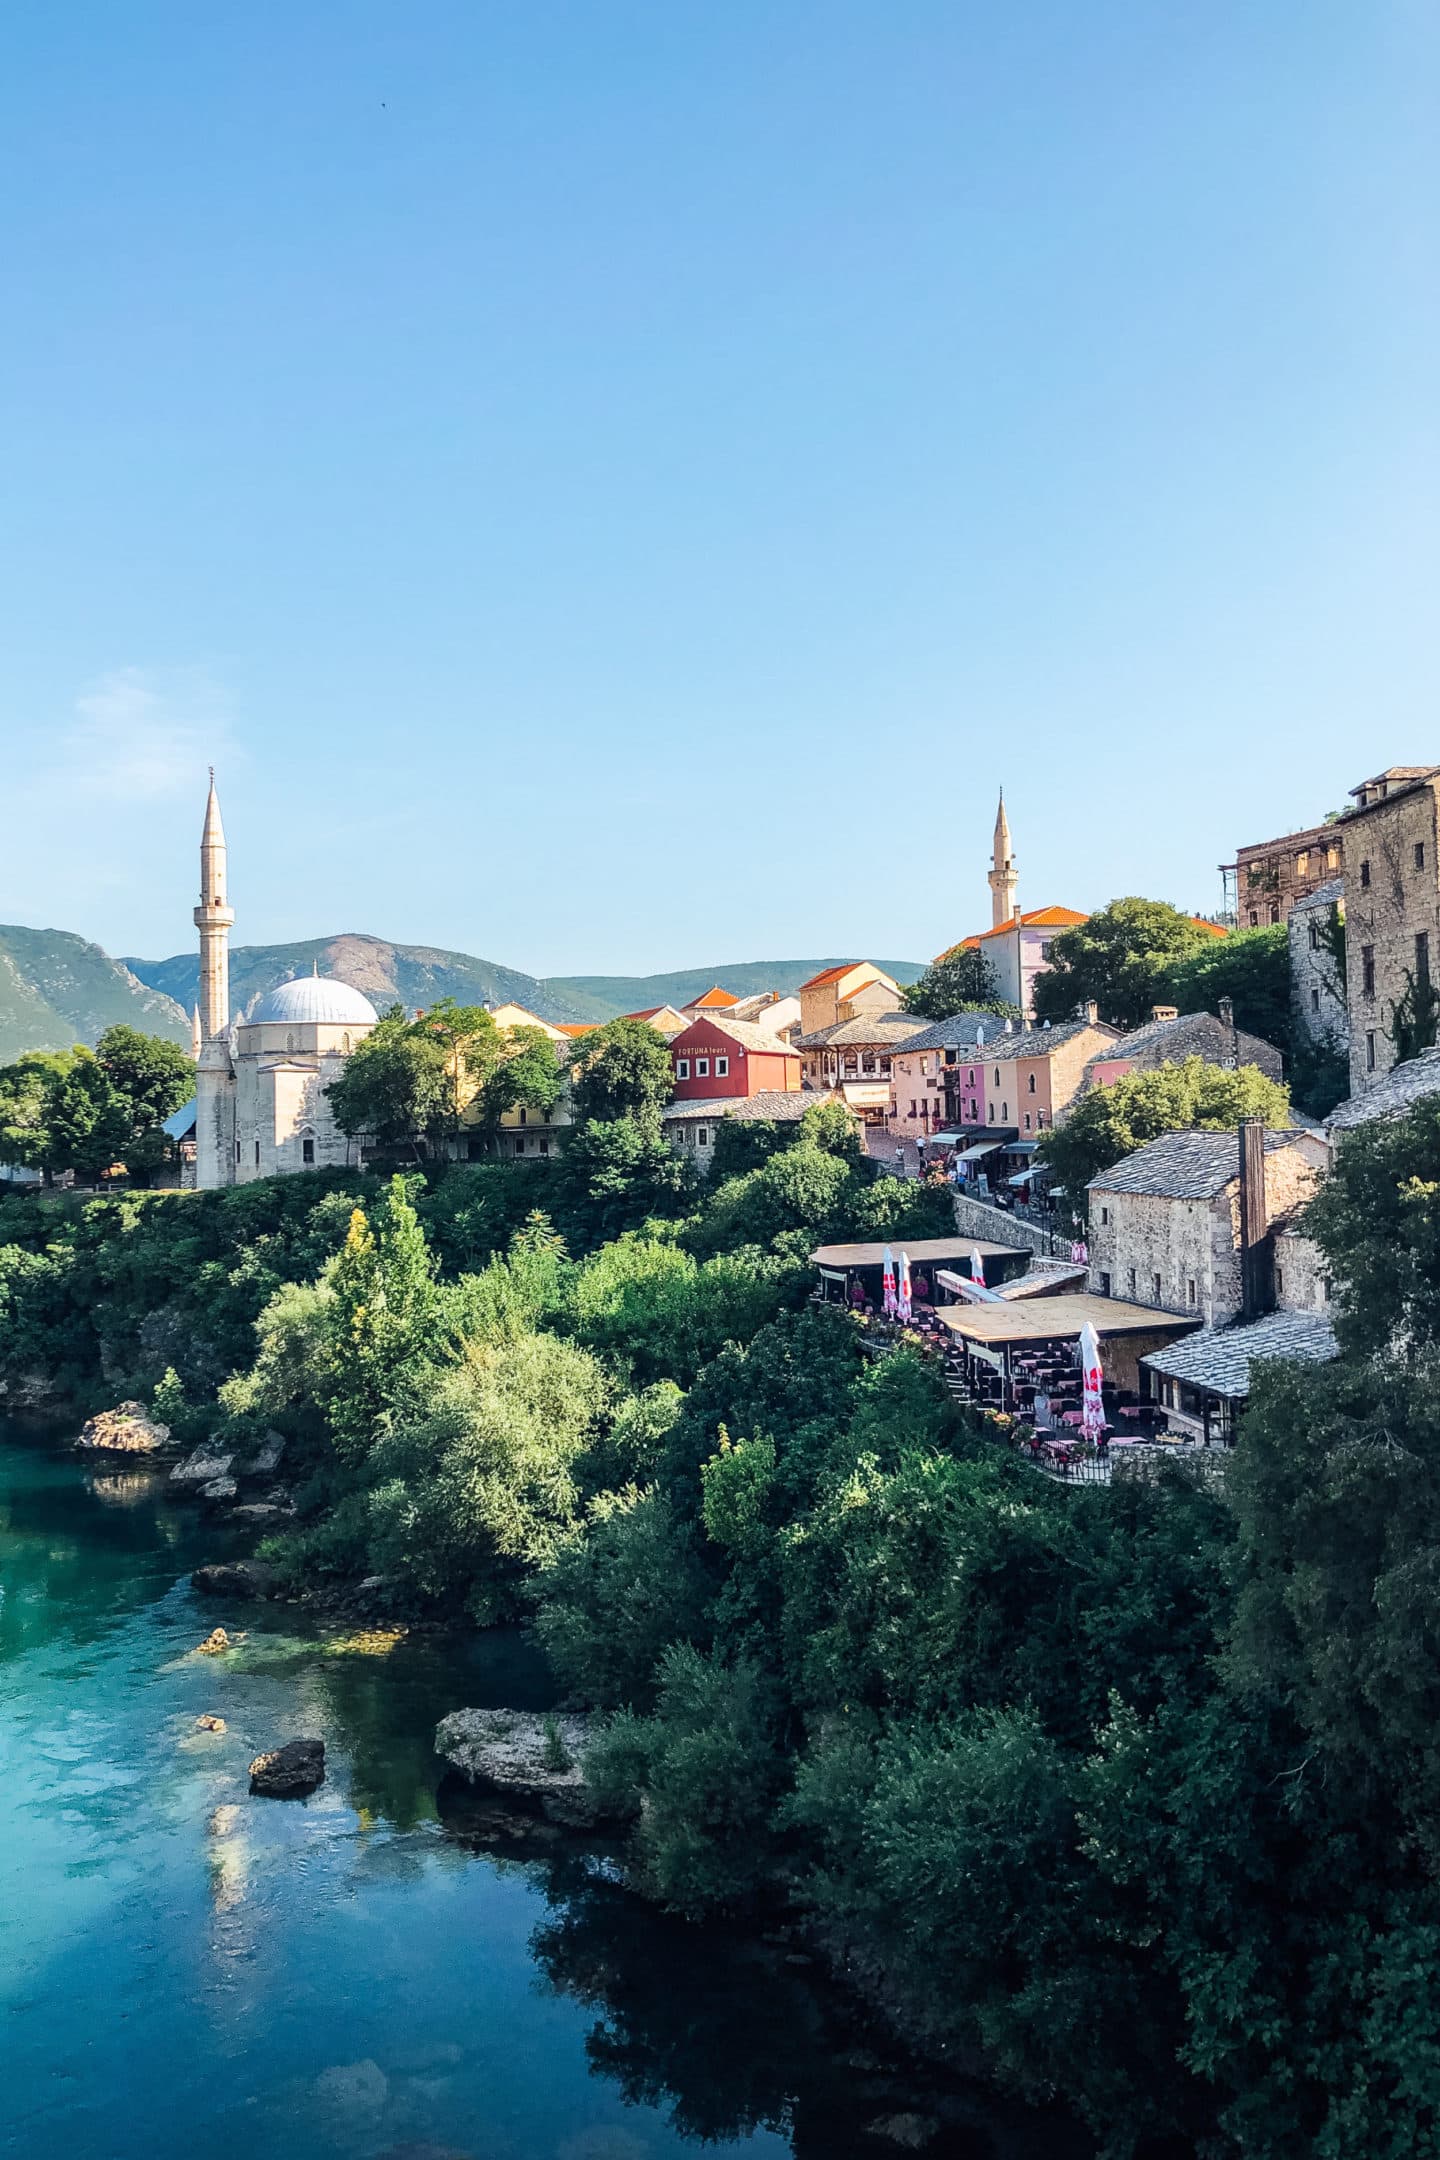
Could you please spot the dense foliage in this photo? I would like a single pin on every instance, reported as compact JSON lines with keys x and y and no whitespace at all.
{"x":1129,"y":1794}
{"x":1124,"y":957}
{"x":93,"y":1111}
{"x":959,"y":981}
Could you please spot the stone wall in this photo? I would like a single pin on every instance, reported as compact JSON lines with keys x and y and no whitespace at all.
{"x":1384,"y":915}
{"x":974,"y":1219}
{"x":1317,"y":999}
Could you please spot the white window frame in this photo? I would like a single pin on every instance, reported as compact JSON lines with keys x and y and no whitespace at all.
{"x":682,"y":1068}
{"x":702,"y":1068}
{"x":722,"y":1068}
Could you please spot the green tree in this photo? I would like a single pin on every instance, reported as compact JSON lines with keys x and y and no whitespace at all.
{"x":1252,"y":969}
{"x":24,"y":1094}
{"x":622,"y":1070}
{"x":1123,"y":957}
{"x":527,"y":1073}
{"x":397,"y":1086}
{"x":1377,"y":1220}
{"x":86,"y":1121}
{"x":473,"y":1047}
{"x":1110,"y":1122}
{"x":384,"y":1317}
{"x":616,"y":1172}
{"x":961,"y":980}
{"x":152,"y":1079}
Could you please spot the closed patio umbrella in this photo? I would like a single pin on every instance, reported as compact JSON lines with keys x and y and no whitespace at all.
{"x":1092,"y":1409}
{"x":887,"y":1300}
{"x":977,"y":1265}
{"x":902,"y":1301}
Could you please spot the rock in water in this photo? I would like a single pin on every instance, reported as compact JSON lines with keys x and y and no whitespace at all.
{"x":289,"y":1772}
{"x":216,"y":1641}
{"x":236,"y":1578}
{"x":219,"y":1488}
{"x":201,"y":1468}
{"x":530,"y":1757}
{"x":208,"y":1722}
{"x":128,"y":1429}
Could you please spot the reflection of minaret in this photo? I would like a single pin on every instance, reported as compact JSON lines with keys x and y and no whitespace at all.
{"x":1004,"y":879}
{"x":215,"y":1080}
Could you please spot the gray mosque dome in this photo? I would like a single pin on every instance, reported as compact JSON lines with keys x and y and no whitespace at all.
{"x":311,"y":999}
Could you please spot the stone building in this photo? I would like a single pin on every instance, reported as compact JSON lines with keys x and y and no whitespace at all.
{"x":692,"y":1127}
{"x":260,"y":1104}
{"x":1392,"y":911}
{"x":852,"y":990}
{"x":1317,"y":974}
{"x":1165,"y":1224}
{"x":1267,"y":878}
{"x":1168,"y":1038}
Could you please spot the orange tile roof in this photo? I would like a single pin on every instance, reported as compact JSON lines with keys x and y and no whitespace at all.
{"x":577,"y":1027}
{"x":711,"y":999}
{"x":829,"y":975}
{"x":1044,"y":918}
{"x":1215,"y":929}
{"x":648,"y":1014}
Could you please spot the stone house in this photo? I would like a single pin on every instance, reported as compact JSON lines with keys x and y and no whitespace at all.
{"x":1395,"y":1093}
{"x":1165,"y":1223}
{"x":1317,"y":975}
{"x":1168,"y":1038}
{"x":691,"y":1127}
{"x":1269,"y":877}
{"x":1392,"y":910}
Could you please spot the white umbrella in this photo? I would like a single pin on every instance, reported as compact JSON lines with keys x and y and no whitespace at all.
{"x":902,"y":1301}
{"x":1092,"y":1409}
{"x":887,"y":1300}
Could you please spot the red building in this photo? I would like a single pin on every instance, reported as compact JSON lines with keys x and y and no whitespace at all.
{"x":718,"y":1058}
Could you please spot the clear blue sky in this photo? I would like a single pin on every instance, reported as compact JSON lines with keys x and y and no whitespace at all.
{"x":617,"y":485}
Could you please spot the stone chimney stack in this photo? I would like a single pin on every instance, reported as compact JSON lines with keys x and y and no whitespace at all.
{"x":1257,"y":1247}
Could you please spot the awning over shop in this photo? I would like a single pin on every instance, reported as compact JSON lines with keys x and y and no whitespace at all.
{"x":866,"y":1094}
{"x":986,"y":1147}
{"x":946,"y":1139}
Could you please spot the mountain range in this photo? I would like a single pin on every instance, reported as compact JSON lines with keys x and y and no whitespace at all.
{"x":57,"y":989}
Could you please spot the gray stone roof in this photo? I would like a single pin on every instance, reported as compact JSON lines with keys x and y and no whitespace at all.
{"x":1219,"y":1359}
{"x":1402,"y":1087}
{"x":1039,"y":1042}
{"x":770,"y":1104}
{"x":881,"y":1029}
{"x":1183,"y":1165}
{"x":1169,"y":1042}
{"x":1325,"y":895}
{"x":962,"y":1031}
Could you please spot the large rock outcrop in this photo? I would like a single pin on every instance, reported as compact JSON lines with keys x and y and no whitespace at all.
{"x":128,"y":1429}
{"x":236,"y":1578}
{"x":202,"y":1467}
{"x":531,"y":1757}
{"x":289,"y":1772}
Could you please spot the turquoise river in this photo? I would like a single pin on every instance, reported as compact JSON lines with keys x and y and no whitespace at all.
{"x":373,"y":1973}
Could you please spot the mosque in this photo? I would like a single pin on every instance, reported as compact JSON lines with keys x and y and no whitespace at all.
{"x":260,"y":1104}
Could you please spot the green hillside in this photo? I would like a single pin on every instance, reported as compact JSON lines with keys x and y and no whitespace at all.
{"x":409,"y":975}
{"x":416,"y":975}
{"x":632,"y":993}
{"x":57,"y":989}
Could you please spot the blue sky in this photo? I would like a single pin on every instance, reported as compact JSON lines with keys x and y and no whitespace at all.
{"x":615,"y":486}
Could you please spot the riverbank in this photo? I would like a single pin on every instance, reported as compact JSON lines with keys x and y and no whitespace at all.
{"x":384,"y":1967}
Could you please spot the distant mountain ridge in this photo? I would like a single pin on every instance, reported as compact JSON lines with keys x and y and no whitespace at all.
{"x":57,"y":989}
{"x":416,"y":975}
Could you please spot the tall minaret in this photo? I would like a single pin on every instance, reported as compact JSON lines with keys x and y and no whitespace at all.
{"x":215,"y":1076}
{"x":213,"y":919}
{"x":1004,"y":879}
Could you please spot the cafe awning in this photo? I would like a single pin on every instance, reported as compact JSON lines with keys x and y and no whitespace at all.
{"x":973,"y":1154}
{"x":866,"y":1094}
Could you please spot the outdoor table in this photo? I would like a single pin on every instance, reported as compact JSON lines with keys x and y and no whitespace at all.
{"x":1072,"y":1417}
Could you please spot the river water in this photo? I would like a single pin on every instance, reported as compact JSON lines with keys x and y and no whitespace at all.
{"x":188,"y":1971}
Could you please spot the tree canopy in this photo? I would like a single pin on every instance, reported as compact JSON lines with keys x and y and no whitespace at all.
{"x":1123,"y":956}
{"x":91,"y":1111}
{"x":959,"y":981}
{"x":1252,"y":969}
{"x":1110,"y":1122}
{"x":621,"y":1071}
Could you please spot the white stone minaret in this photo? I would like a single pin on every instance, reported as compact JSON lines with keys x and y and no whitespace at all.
{"x":215,"y":1074}
{"x":1004,"y":879}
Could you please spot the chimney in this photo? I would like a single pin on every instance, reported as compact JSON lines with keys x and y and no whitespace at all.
{"x":1088,"y":1011}
{"x":1166,"y":1012}
{"x":1227,"y":1012}
{"x":1257,"y":1247}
